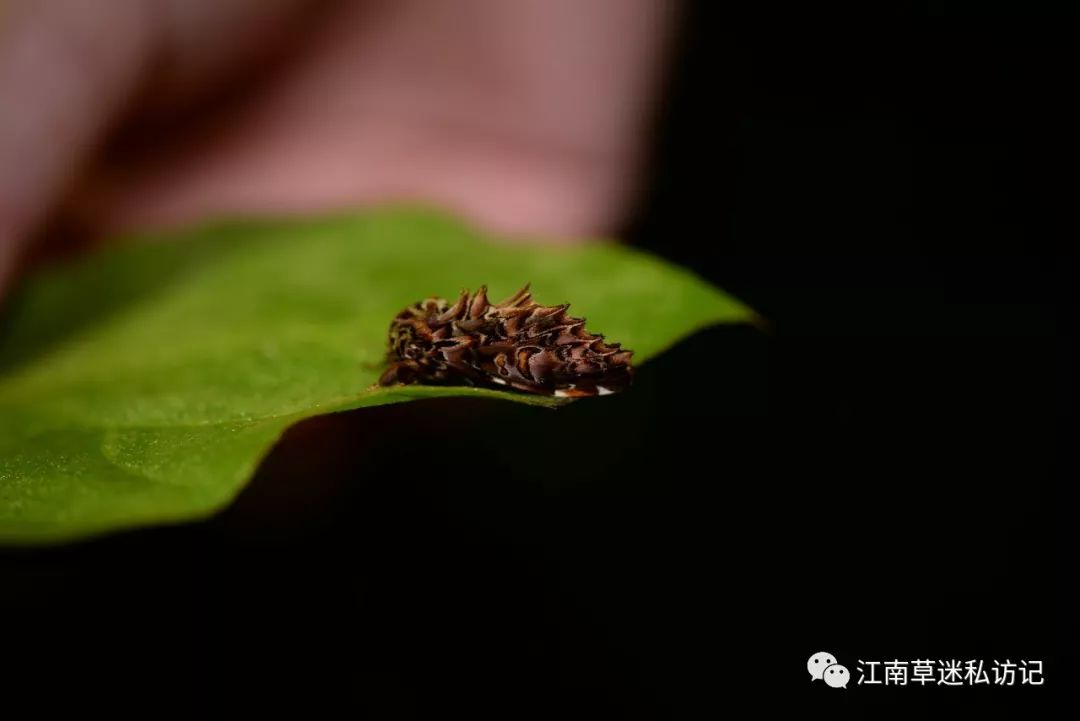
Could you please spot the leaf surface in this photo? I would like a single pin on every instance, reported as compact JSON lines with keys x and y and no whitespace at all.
{"x":144,"y":384}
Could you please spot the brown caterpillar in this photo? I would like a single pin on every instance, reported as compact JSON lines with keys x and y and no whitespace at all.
{"x":517,"y":343}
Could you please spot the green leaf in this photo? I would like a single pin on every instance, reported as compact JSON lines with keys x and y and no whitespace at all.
{"x":144,"y":384}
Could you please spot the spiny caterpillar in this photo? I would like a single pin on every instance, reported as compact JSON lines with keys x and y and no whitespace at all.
{"x":517,"y":343}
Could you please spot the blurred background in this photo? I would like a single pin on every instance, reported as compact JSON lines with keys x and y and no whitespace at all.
{"x":879,"y":474}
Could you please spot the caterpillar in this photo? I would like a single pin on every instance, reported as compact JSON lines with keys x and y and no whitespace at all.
{"x":517,"y":344}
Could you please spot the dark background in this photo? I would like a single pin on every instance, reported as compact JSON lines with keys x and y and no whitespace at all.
{"x":878,"y":474}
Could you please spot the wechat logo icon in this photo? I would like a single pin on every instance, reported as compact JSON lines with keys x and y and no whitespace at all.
{"x":823,"y":667}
